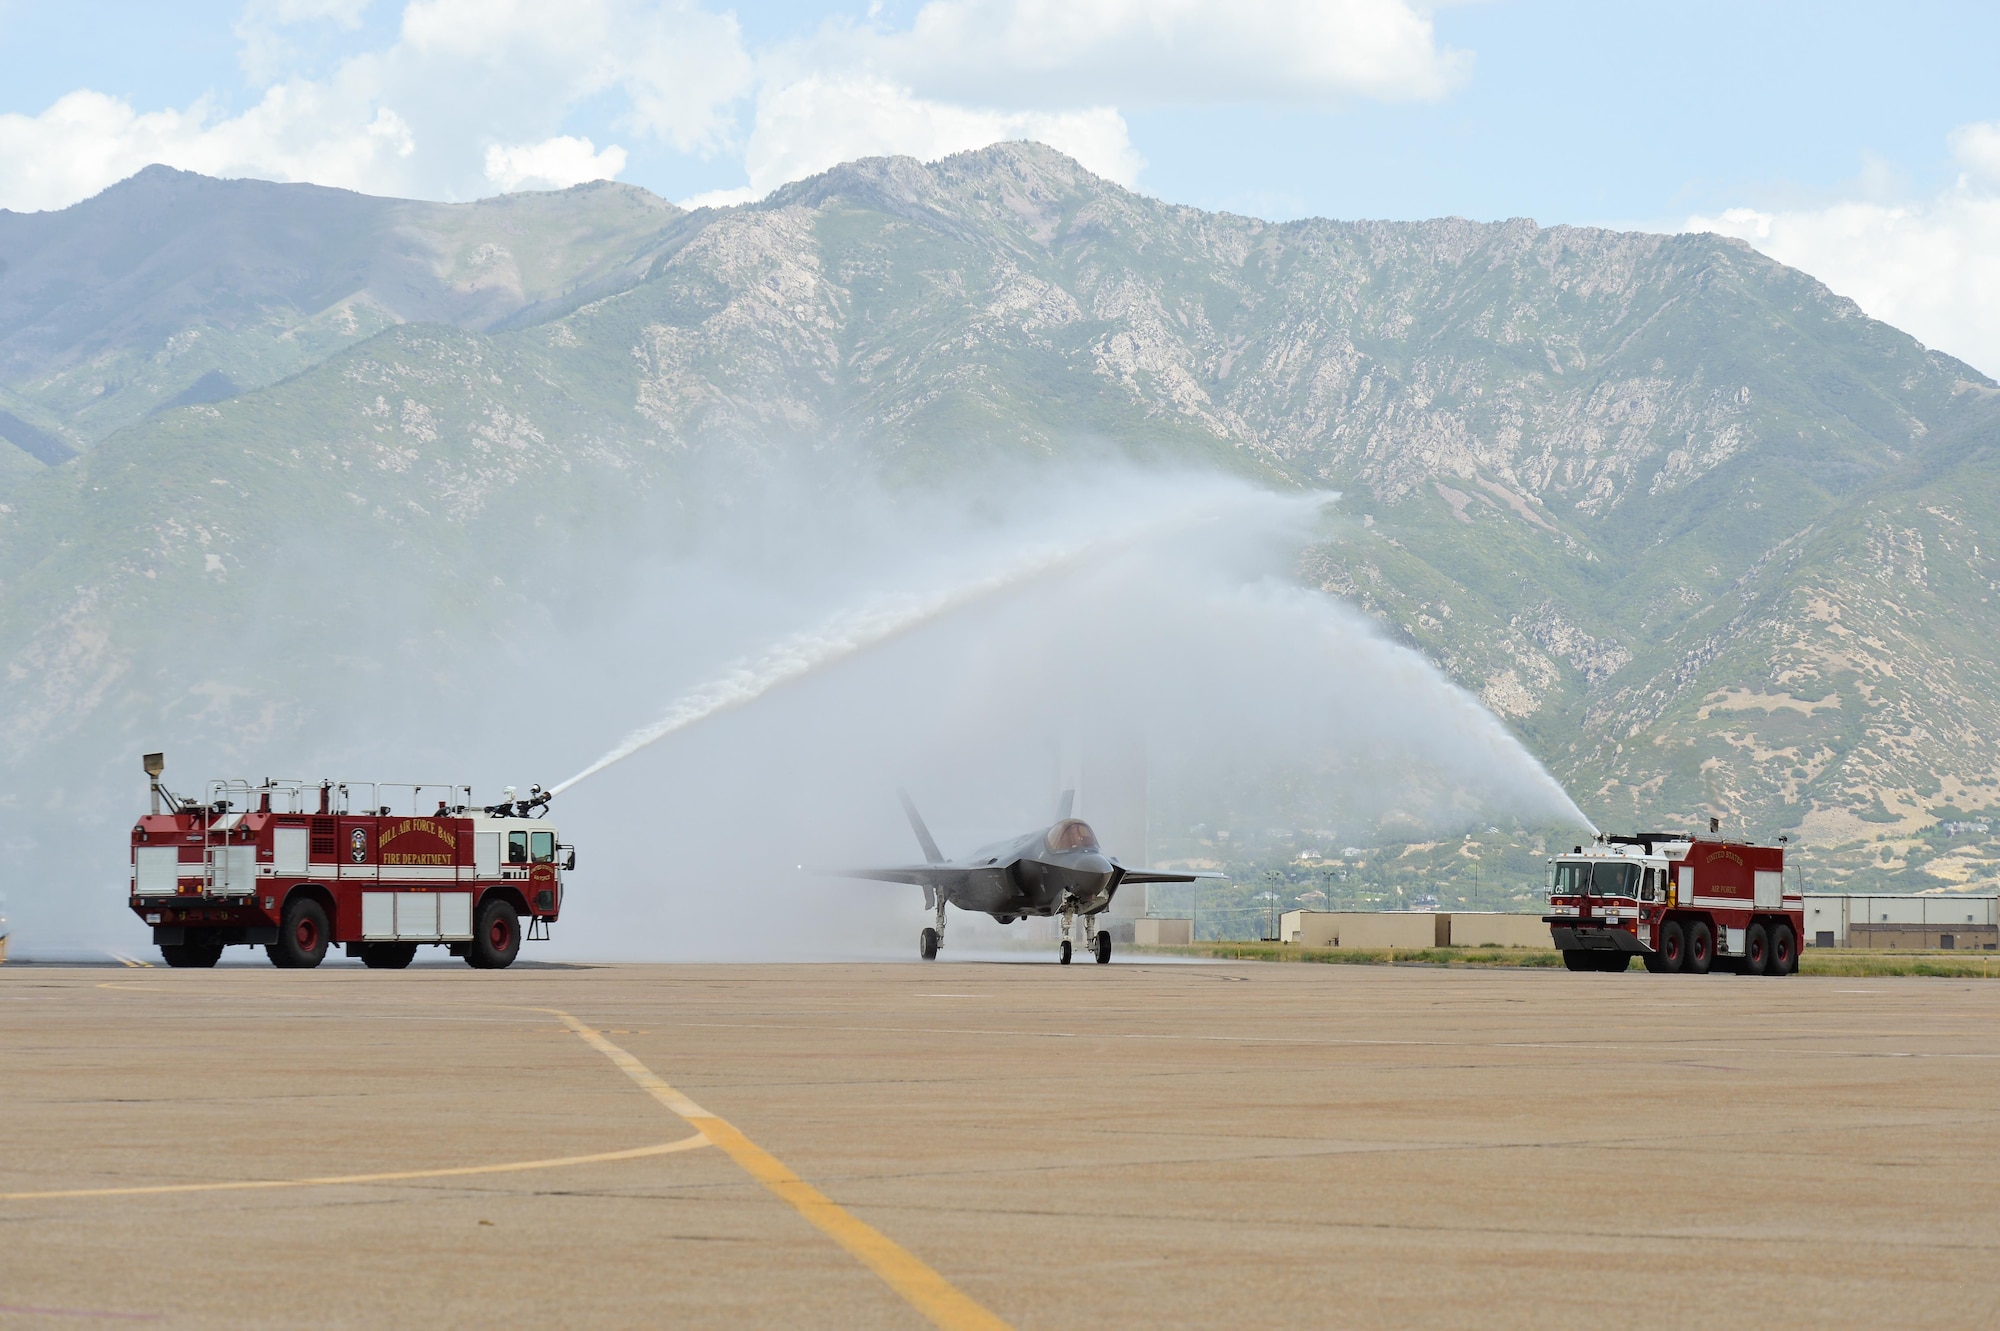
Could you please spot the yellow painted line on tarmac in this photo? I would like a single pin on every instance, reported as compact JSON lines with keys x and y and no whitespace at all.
{"x":903,"y":1271}
{"x":510,"y":1167}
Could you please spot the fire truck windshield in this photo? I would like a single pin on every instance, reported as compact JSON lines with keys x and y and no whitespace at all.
{"x":1595,"y":878}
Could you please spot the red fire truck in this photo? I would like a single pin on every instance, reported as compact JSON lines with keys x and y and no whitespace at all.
{"x":296,"y":867}
{"x":1678,"y":903}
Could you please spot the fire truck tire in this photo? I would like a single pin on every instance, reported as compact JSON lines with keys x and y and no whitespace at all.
{"x":496,"y":938}
{"x":199,"y":956}
{"x":1700,"y":948}
{"x":1756,"y":951}
{"x":1672,"y":953}
{"x":1784,"y":951}
{"x":388,"y":956}
{"x":1577,"y":959}
{"x":302,"y":934}
{"x":1614,"y":961}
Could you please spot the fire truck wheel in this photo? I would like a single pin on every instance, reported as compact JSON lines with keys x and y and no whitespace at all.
{"x":1784,"y":951}
{"x":301,"y":941}
{"x":1673,"y":950}
{"x":1700,"y":948}
{"x":1577,"y":959}
{"x":496,"y":938}
{"x":388,"y":956}
{"x":1614,"y":961}
{"x":1756,"y":951}
{"x":200,"y":956}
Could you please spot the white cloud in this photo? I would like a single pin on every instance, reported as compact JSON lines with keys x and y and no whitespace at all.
{"x":476,"y":94}
{"x":1166,"y":51}
{"x":416,"y":117}
{"x":723,"y":198}
{"x":1977,"y":148}
{"x":554,"y":163}
{"x":1931,"y":267}
{"x":806,"y":126}
{"x":676,"y":66}
{"x":87,"y":140}
{"x":967,"y":73}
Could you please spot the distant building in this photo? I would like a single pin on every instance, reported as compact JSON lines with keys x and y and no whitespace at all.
{"x":1412,"y":929}
{"x":1910,"y":923}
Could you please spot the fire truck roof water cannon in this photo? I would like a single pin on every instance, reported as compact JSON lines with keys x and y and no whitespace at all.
{"x":1679,"y":903}
{"x":296,"y":867}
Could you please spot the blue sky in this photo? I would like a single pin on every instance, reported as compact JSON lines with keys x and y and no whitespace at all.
{"x":1859,"y":141}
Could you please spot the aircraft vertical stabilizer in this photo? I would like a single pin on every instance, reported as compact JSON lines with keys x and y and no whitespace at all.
{"x":931,"y":853}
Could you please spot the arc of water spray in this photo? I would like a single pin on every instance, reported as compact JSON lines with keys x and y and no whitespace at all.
{"x":847,"y":634}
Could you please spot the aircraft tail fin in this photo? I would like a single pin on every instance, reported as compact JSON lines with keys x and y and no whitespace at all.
{"x":1065,"y":804}
{"x":931,"y":852}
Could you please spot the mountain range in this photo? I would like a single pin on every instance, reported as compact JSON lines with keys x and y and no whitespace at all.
{"x":1710,"y":539}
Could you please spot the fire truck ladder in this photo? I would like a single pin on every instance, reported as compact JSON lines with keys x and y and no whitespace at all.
{"x":222,"y":815}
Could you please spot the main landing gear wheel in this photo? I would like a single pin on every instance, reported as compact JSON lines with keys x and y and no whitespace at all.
{"x":1065,"y":952}
{"x":496,"y":937}
{"x":927,"y":944}
{"x":388,"y":956}
{"x":1103,"y":948}
{"x":302,"y":936}
{"x":199,"y":956}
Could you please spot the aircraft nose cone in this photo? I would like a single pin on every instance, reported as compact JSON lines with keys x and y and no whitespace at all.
{"x":1092,"y":864}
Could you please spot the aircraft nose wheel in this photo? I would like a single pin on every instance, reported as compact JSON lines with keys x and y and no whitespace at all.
{"x":1103,"y":948}
{"x":1065,"y":951}
{"x":927,"y":945}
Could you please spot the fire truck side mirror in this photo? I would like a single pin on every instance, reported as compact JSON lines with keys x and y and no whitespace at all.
{"x":570,"y":861}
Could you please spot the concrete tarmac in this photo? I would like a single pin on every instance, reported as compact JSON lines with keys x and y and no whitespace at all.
{"x":1133,"y":1145}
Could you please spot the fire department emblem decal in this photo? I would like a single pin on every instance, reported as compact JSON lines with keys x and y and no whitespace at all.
{"x":359,"y":845}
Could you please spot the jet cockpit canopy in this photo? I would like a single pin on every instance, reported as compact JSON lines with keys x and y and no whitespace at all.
{"x":1072,"y":834}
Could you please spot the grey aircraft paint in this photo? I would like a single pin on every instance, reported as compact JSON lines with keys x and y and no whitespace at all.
{"x":1056,"y":870}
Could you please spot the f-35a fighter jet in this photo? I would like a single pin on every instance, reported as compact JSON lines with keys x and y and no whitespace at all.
{"x":1058,"y":870}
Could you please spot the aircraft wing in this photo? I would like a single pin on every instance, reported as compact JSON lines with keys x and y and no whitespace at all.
{"x":1164,"y":875}
{"x":921,"y":875}
{"x":937,"y":880}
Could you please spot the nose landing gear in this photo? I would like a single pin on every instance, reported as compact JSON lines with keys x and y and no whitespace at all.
{"x":1097,"y":940}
